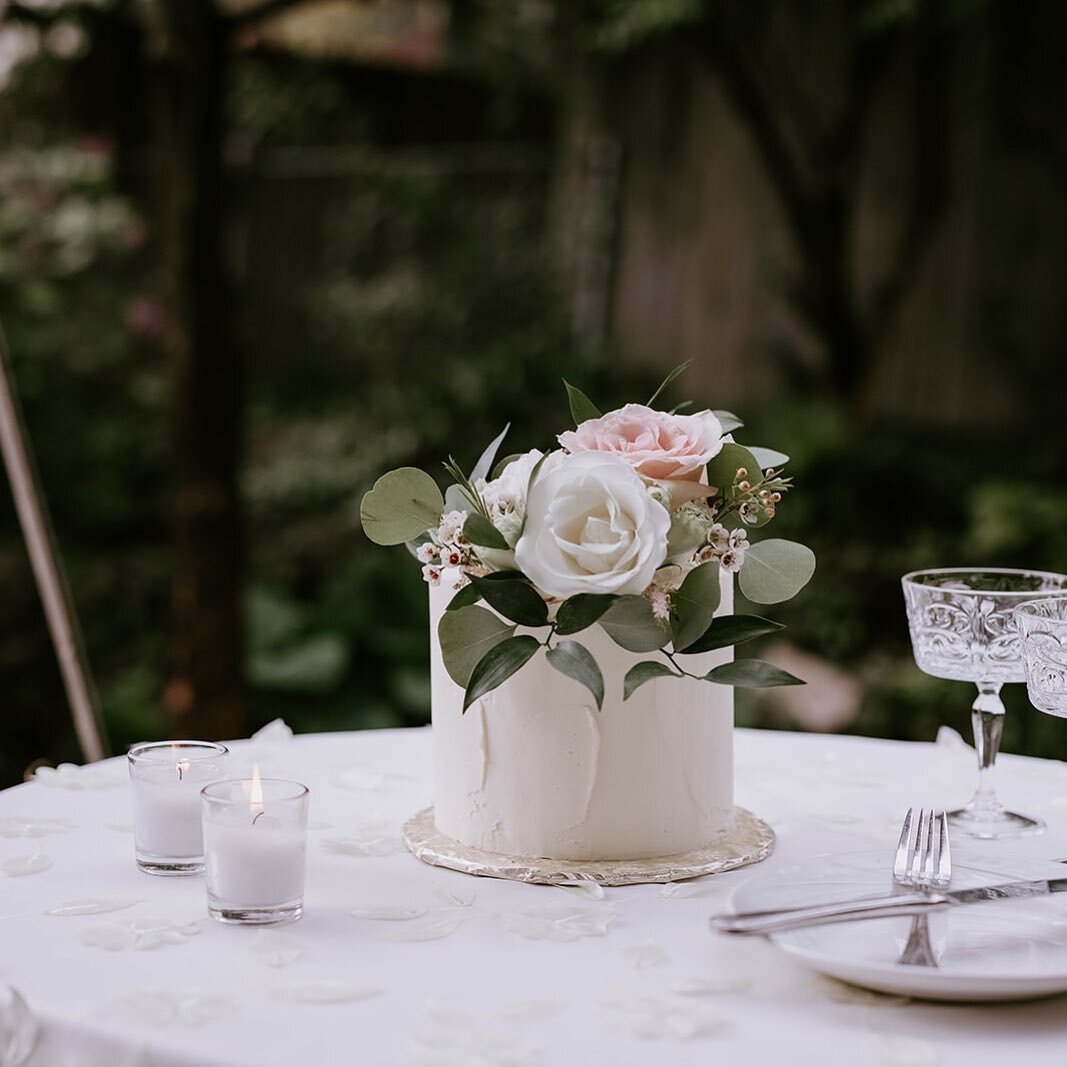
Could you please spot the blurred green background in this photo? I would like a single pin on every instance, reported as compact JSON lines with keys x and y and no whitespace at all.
{"x":410,"y":219}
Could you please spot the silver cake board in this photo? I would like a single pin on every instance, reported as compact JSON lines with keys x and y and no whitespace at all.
{"x":749,"y":840}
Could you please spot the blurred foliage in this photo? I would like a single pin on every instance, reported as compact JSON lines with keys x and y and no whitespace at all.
{"x":397,"y":303}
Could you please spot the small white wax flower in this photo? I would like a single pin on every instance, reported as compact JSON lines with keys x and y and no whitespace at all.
{"x":451,"y":556}
{"x":426,"y":552}
{"x":431,"y":574}
{"x":733,"y":559}
{"x":450,"y":529}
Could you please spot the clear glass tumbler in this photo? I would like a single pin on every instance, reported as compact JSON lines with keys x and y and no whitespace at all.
{"x":167,"y":777}
{"x":255,"y":847}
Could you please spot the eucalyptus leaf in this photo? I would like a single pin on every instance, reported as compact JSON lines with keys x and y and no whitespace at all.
{"x":464,"y":598}
{"x":723,"y":468}
{"x":515,"y":600}
{"x":775,"y":570}
{"x":643,"y":672}
{"x":751,"y":674}
{"x":401,"y":505}
{"x":498,"y":665}
{"x":480,"y":531}
{"x":694,"y":605}
{"x":465,"y":636}
{"x":768,"y":457}
{"x":667,"y":381}
{"x":582,"y":408}
{"x":729,"y":630}
{"x":577,"y":662}
{"x":728,"y":420}
{"x":458,"y":499}
{"x":485,"y":460}
{"x":629,"y":622}
{"x":582,"y":610}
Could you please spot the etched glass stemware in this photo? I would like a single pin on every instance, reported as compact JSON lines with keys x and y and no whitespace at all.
{"x":1043,"y":626}
{"x":962,"y":624}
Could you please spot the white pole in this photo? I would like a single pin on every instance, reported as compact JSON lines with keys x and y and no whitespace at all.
{"x":47,"y":568}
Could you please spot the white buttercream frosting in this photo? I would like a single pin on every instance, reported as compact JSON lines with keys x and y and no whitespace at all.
{"x":533,"y":769}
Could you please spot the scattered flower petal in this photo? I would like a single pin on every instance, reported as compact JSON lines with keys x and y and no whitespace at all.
{"x":431,"y":929}
{"x":99,"y":906}
{"x":664,"y":1018}
{"x":275,"y":732}
{"x":905,"y":1051}
{"x":388,"y":913}
{"x":560,"y":922}
{"x":459,"y":898}
{"x":72,"y":776}
{"x":139,"y":934}
{"x":20,"y":866}
{"x":586,"y":887}
{"x":530,"y":1010}
{"x":28,"y":826}
{"x":710,"y":987}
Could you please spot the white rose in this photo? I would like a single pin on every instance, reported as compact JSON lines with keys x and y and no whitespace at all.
{"x":508,"y":492}
{"x":591,"y":527}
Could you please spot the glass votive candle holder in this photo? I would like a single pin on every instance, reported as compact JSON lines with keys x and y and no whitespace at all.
{"x":255,"y":849}
{"x":167,"y":777}
{"x":1043,"y":625}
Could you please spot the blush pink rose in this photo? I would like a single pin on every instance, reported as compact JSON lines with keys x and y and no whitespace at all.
{"x":658,"y":445}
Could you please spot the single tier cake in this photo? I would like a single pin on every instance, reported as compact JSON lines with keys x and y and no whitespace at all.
{"x":533,"y":769}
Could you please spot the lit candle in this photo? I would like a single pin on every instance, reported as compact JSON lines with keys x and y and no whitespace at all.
{"x":167,"y":777}
{"x":255,"y":847}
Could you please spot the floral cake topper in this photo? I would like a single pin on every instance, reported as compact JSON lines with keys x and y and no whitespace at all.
{"x":628,"y":525}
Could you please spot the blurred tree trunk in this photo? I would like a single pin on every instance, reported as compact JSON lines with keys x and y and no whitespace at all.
{"x":205,"y":696}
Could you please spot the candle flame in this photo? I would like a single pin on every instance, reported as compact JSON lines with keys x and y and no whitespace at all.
{"x":255,"y":798}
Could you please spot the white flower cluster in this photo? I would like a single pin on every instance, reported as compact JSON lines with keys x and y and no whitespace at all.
{"x":727,"y":546}
{"x":447,"y":548}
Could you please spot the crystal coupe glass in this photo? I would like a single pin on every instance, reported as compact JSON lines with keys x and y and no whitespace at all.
{"x":962,"y":624}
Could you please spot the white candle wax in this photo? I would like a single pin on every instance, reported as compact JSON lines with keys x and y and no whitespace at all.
{"x":254,"y":866}
{"x":166,"y":815}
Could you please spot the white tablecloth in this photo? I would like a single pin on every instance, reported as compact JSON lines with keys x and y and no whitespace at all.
{"x":121,"y":968}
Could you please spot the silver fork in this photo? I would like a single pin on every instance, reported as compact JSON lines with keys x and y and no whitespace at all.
{"x":923,"y":861}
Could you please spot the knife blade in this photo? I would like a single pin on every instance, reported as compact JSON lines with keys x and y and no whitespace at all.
{"x":880,"y":907}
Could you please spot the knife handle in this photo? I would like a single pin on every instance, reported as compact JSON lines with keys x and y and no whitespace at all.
{"x":770,"y":922}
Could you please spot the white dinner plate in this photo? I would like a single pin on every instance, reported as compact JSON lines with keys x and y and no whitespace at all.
{"x":997,"y":950}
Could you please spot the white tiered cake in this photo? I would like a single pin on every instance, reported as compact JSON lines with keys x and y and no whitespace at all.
{"x":533,"y":769}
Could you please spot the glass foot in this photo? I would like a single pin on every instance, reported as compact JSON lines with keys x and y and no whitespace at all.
{"x":990,"y":823}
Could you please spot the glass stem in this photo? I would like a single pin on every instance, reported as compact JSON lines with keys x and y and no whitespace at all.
{"x":987,"y":720}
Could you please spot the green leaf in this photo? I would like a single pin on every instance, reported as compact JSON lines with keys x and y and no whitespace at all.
{"x":515,"y":600}
{"x":485,"y":460}
{"x":723,"y":468}
{"x":465,"y":636}
{"x":576,"y":661}
{"x":694,"y":605}
{"x":498,"y":665}
{"x":775,"y":570}
{"x":464,"y":598}
{"x":667,"y":381}
{"x":582,"y":408}
{"x":643,"y":672}
{"x":401,"y":505}
{"x":480,"y":531}
{"x":751,"y":674}
{"x":768,"y":457}
{"x":582,"y":610}
{"x":730,"y":630}
{"x":629,"y":622}
{"x":458,"y":499}
{"x":728,"y":420}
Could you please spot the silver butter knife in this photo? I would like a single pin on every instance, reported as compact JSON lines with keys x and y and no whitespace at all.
{"x":880,"y":907}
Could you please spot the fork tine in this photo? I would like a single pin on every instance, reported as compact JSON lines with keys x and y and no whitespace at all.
{"x":916,"y":872}
{"x":902,"y":858}
{"x":943,"y":874}
{"x":932,"y":851}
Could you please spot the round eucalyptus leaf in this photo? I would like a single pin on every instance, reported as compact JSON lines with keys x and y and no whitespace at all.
{"x":465,"y":636}
{"x":775,"y":570}
{"x":401,"y":505}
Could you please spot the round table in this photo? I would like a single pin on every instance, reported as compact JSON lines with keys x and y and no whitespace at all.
{"x":395,"y":962}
